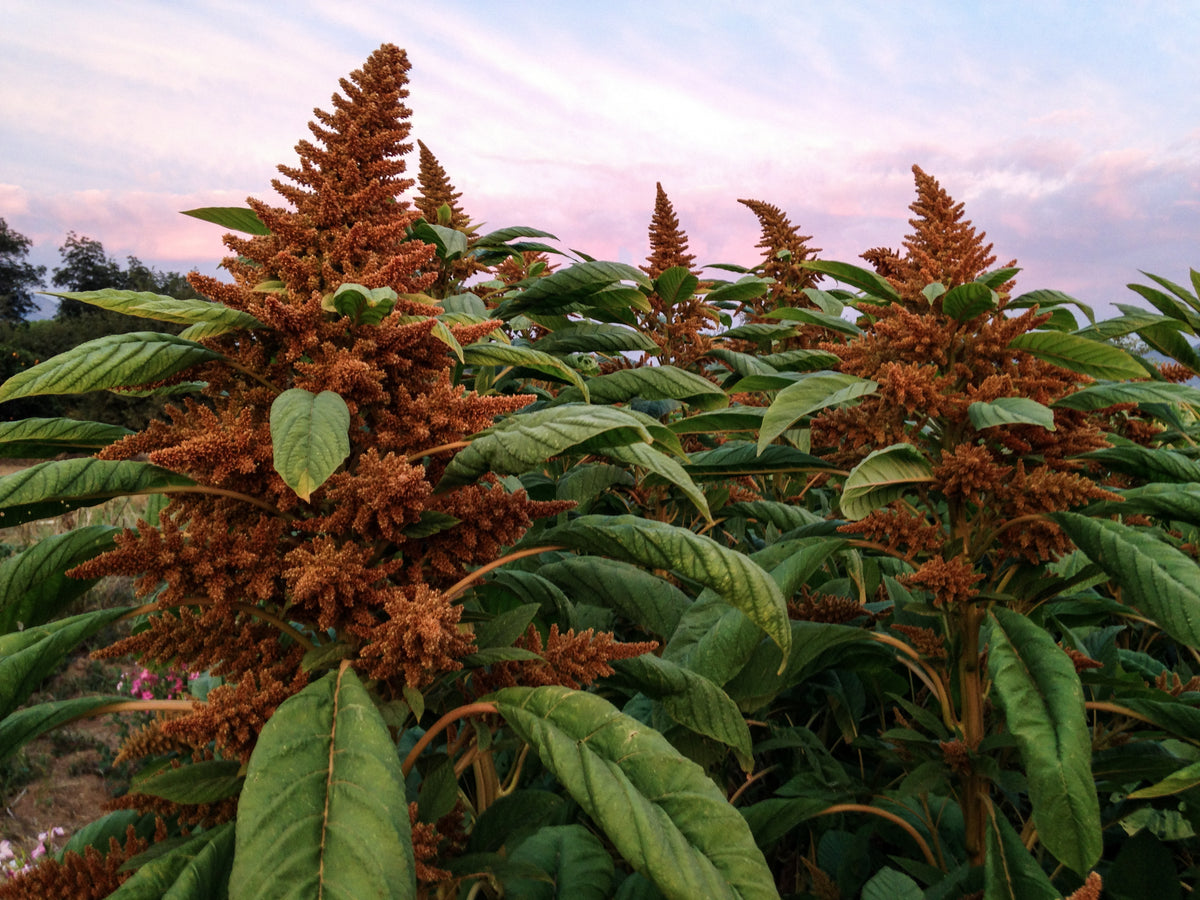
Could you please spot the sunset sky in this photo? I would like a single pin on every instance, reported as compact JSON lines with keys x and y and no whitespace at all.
{"x":1071,"y":131}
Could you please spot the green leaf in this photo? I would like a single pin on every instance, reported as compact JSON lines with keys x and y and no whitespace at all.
{"x":451,"y":243}
{"x":740,"y":363}
{"x":758,"y":331}
{"x":661,"y":546}
{"x":1036,"y":683}
{"x":1145,"y":867}
{"x":200,"y":782}
{"x":34,"y":587}
{"x":881,"y":477}
{"x":27,"y":657}
{"x":195,"y":870}
{"x":1010,"y":871}
{"x":1175,"y":502}
{"x":714,"y":639}
{"x":522,"y":442}
{"x":571,"y":856}
{"x":584,"y":483}
{"x":52,"y":488}
{"x":635,"y":594}
{"x":810,"y":393}
{"x":323,"y":810}
{"x":735,"y":418}
{"x":116,"y":360}
{"x":237,"y":218}
{"x":653,"y":383}
{"x":998,"y":277}
{"x":964,"y":302}
{"x":1159,"y":580}
{"x":735,"y":458}
{"x":675,"y":285}
{"x":1047,"y":300}
{"x":310,"y":437}
{"x":800,"y":360}
{"x":664,"y":467}
{"x":594,"y":337}
{"x":739,"y":291}
{"x":1177,"y":782}
{"x":863,"y":279}
{"x":1079,"y":354}
{"x":1148,"y":464}
{"x":362,"y":305}
{"x":580,"y":282}
{"x":660,"y":810}
{"x":23,"y":726}
{"x":691,"y":700}
{"x":1010,"y":411}
{"x":890,"y":884}
{"x":1098,"y":396}
{"x":501,"y":236}
{"x":206,"y":317}
{"x":813,"y":317}
{"x":41,"y":438}
{"x":496,"y":354}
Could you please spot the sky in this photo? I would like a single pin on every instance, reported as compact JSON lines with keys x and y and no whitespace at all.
{"x":1070,"y":131}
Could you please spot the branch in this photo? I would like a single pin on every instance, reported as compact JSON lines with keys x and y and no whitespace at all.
{"x":465,"y":582}
{"x":891,"y":817}
{"x":470,"y":709}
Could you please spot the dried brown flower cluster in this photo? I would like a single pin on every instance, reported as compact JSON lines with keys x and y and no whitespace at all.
{"x":88,"y":877}
{"x":930,"y":368}
{"x":244,"y":589}
{"x":784,"y":249}
{"x":679,"y":327}
{"x":570,"y":659}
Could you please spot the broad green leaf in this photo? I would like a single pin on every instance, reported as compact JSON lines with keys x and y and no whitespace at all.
{"x":740,"y":363}
{"x":713,"y":639}
{"x":735,"y":418}
{"x":310,"y":437}
{"x":774,"y":382}
{"x":34,"y":587}
{"x":1098,"y":396}
{"x":200,"y":782}
{"x":998,"y":277}
{"x":661,"y":546}
{"x":52,"y":488}
{"x":1176,"y":502}
{"x":635,"y":594}
{"x":501,"y":236}
{"x":361,"y":304}
{"x":1010,"y":871}
{"x":496,"y":354}
{"x":652,"y":383}
{"x":27,"y":657}
{"x":783,"y":516}
{"x":23,"y":726}
{"x":881,"y":477}
{"x":581,"y":281}
{"x":891,"y":884}
{"x":1169,"y":306}
{"x":810,"y":393}
{"x":663,"y":466}
{"x":660,"y":810}
{"x":96,"y":833}
{"x":691,"y":700}
{"x":584,"y":483}
{"x":1167,"y":340}
{"x":207,"y":318}
{"x":323,"y":811}
{"x":575,"y":859}
{"x":522,"y":442}
{"x":1035,"y":682}
{"x":1079,"y":354}
{"x":675,"y":285}
{"x":739,"y":291}
{"x":1177,"y":782}
{"x":814,"y":317}
{"x":800,"y":360}
{"x":195,"y":870}
{"x":594,"y":337}
{"x":41,"y":438}
{"x":1159,"y":580}
{"x":1046,"y":300}
{"x":116,"y":360}
{"x":863,"y":279}
{"x":736,"y":458}
{"x":450,"y":243}
{"x":1010,"y":411}
{"x":1145,"y":867}
{"x":236,"y":218}
{"x":758,"y":331}
{"x":964,"y":302}
{"x":1148,"y":464}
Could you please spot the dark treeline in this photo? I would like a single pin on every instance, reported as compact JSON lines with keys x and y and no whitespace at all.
{"x":84,"y":266}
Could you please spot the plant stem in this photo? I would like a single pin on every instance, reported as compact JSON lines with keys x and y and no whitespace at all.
{"x":891,"y":817}
{"x":975,"y":786}
{"x":466,"y":582}
{"x":470,"y":709}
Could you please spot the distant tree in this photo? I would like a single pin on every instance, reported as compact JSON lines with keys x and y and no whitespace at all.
{"x":85,"y":267}
{"x":18,"y":278}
